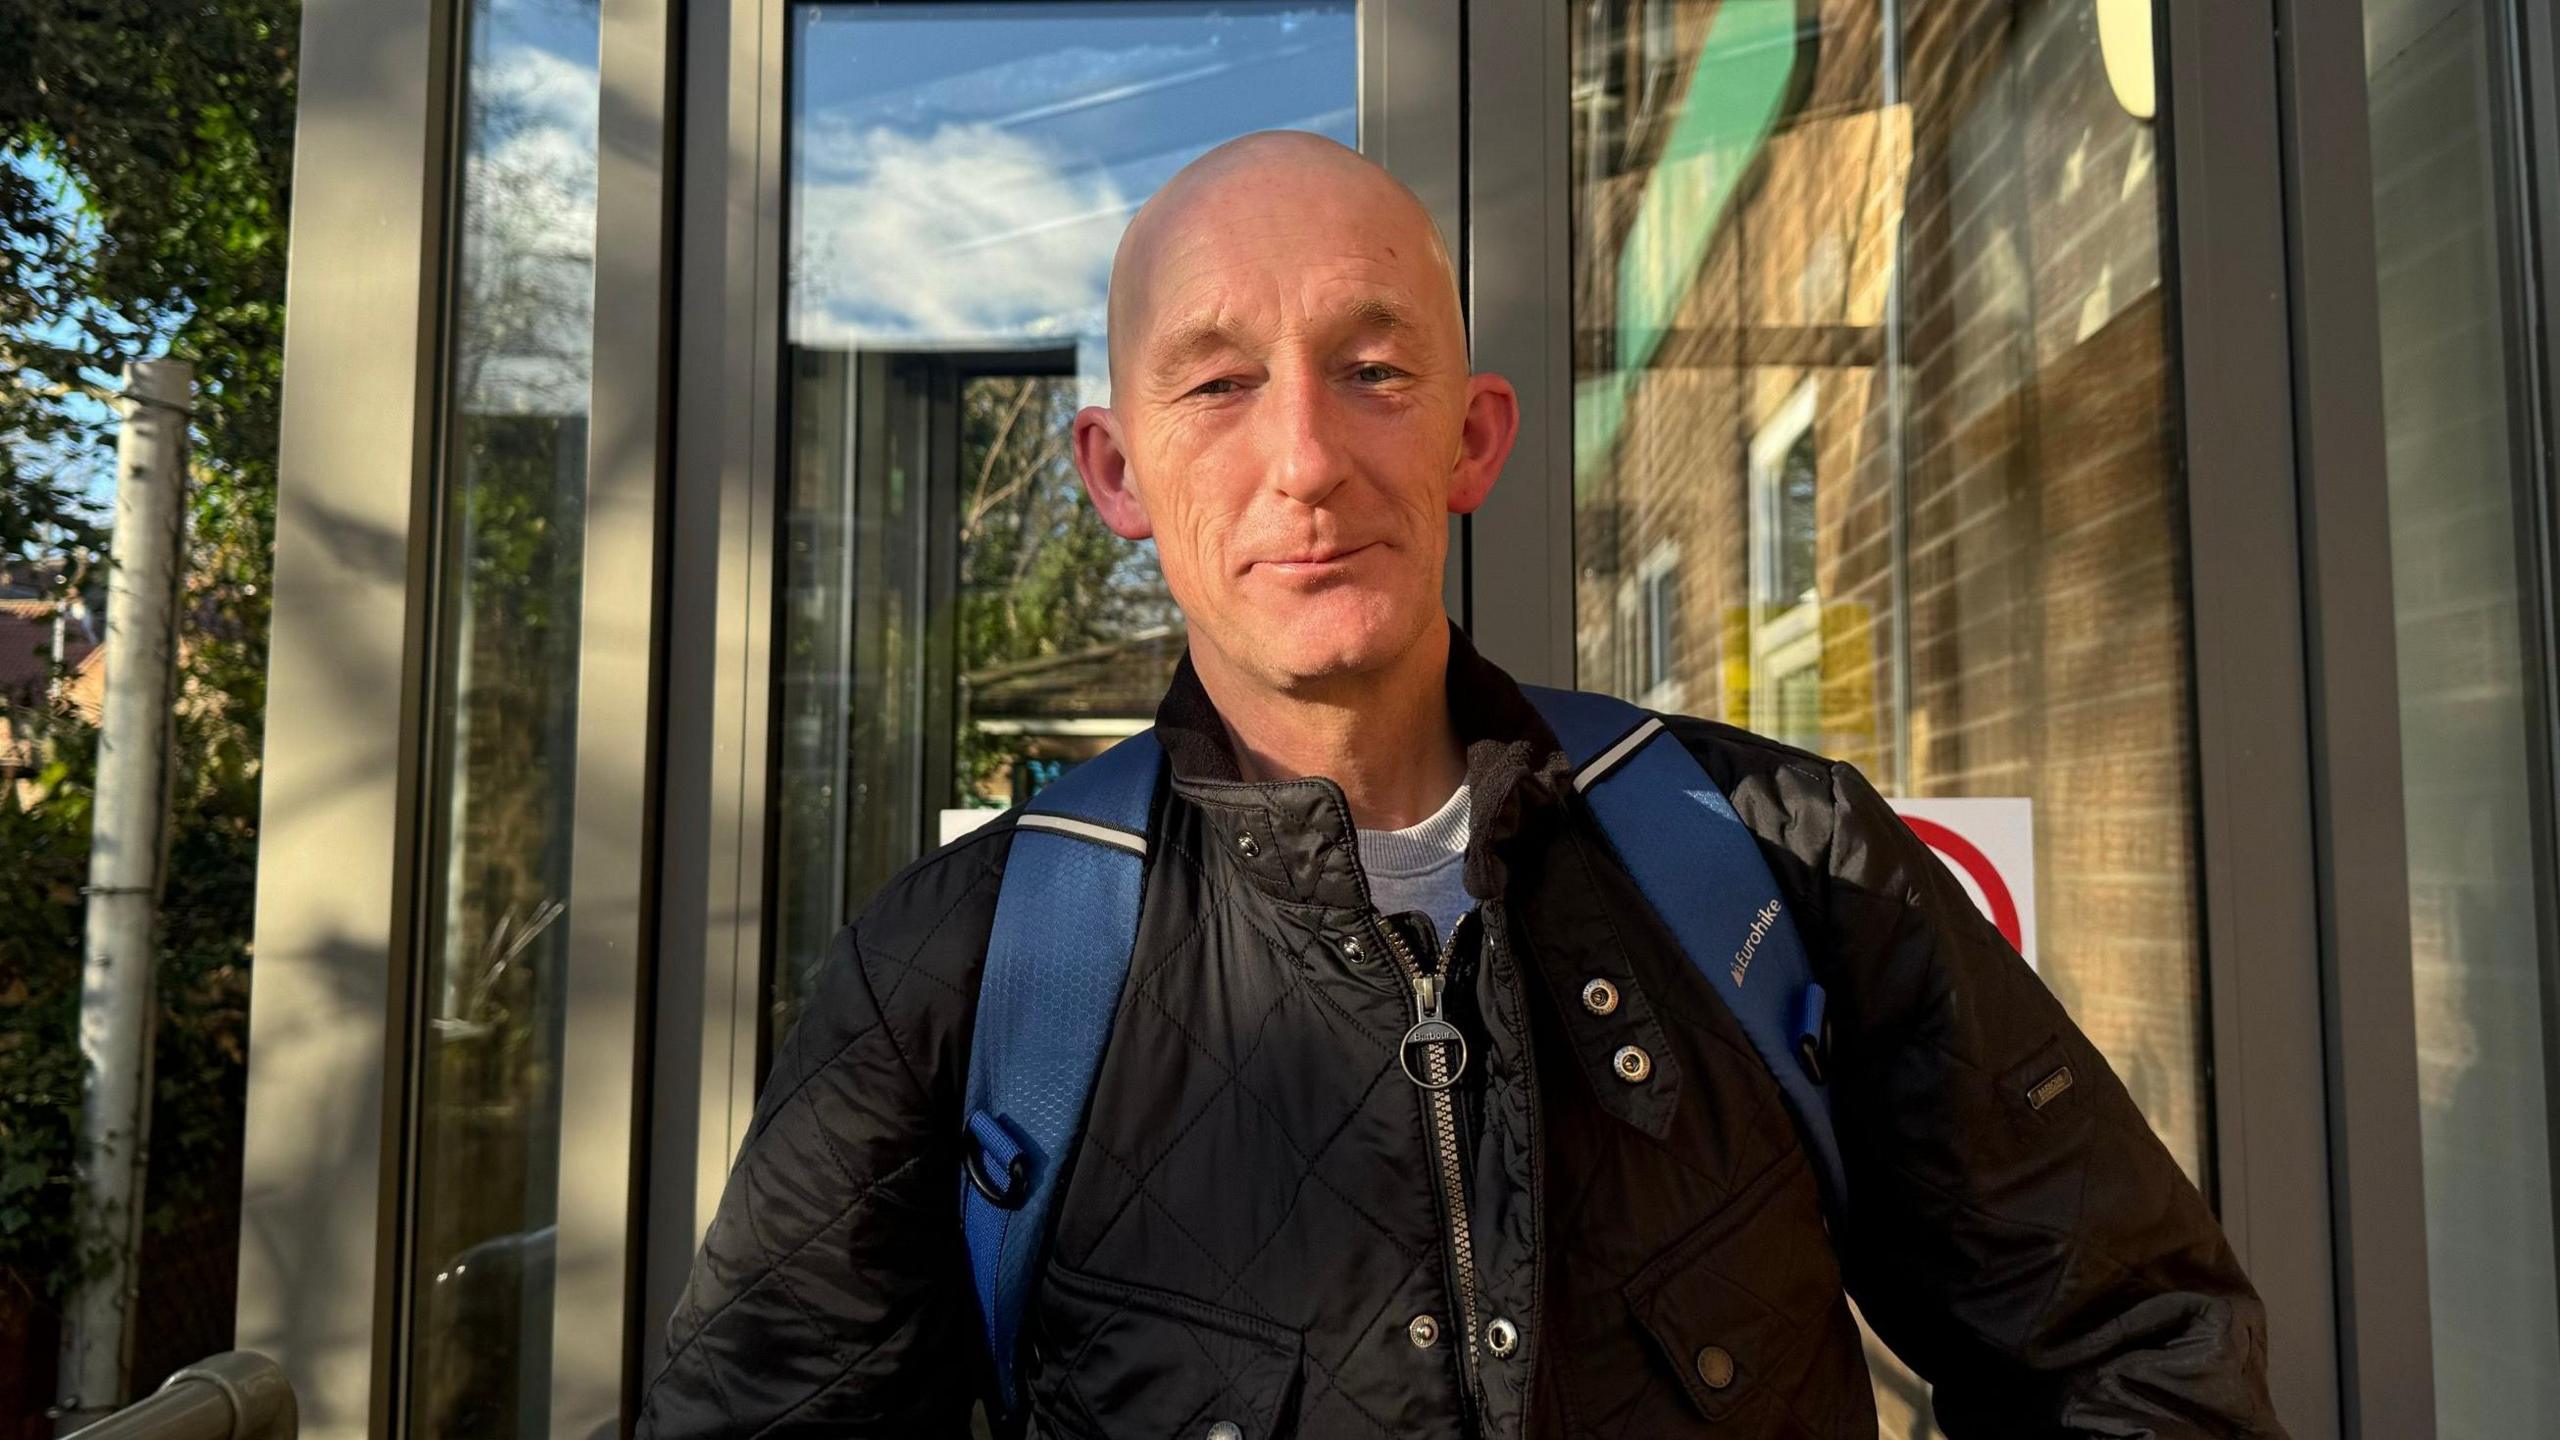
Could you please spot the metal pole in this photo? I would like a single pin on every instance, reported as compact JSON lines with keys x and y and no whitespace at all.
{"x":126,"y":848}
{"x":237,"y":1395}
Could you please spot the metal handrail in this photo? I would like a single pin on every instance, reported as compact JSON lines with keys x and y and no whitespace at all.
{"x":237,"y":1395}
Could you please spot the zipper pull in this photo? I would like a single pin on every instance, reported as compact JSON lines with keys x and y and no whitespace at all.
{"x":1430,"y":1031}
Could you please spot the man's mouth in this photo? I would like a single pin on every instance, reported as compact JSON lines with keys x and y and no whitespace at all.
{"x":1312,"y":562}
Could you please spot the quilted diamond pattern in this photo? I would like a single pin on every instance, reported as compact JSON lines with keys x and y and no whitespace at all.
{"x":1252,"y":1223}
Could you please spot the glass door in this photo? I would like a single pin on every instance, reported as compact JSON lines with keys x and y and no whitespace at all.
{"x":894,"y":610}
{"x":1871,"y":330}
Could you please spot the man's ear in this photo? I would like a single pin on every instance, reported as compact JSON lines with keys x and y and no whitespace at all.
{"x":1103,"y":460}
{"x":1484,"y":442}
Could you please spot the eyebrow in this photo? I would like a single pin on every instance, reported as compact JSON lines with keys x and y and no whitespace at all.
{"x":1381,"y":315}
{"x":1194,"y":338}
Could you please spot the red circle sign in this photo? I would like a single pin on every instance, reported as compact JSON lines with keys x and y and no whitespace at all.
{"x":1978,"y":866}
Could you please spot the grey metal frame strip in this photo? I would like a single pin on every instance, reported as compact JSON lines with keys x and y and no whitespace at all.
{"x":1517,"y":256}
{"x":611,"y":924}
{"x":1412,"y":122}
{"x":2254,"y":787}
{"x":2377,"y":1174}
{"x":709,"y":996}
{"x":322,"y":1233}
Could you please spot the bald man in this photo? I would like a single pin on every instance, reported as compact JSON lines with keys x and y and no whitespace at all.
{"x":1581,"y":1205}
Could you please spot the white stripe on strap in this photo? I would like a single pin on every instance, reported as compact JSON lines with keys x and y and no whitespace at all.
{"x":1135,"y":844}
{"x":1591,"y":774}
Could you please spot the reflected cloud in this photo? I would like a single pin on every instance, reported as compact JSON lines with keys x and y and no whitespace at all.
{"x":1020,"y":89}
{"x":970,"y":234}
{"x":962,"y":180}
{"x":528,"y":248}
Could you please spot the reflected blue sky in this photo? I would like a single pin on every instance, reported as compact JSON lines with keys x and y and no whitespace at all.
{"x":563,"y":29}
{"x":961,"y":173}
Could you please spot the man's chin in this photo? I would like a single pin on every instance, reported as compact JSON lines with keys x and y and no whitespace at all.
{"x":1313,"y":647}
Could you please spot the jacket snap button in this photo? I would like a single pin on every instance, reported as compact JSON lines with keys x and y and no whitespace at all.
{"x":1352,"y":952}
{"x":1424,"y":1332}
{"x":1715,"y":1366}
{"x":1631,"y":1064}
{"x":1226,"y":1430}
{"x":1599,"y":996}
{"x":1246,"y":847}
{"x":1502,"y":1336}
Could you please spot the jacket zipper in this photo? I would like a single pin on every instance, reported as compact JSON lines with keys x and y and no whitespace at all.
{"x":1436,"y":1035}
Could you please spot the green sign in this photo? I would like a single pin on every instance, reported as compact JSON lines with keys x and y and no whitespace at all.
{"x":1735,"y":97}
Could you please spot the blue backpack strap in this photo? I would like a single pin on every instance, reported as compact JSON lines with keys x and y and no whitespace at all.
{"x":1066,"y":920}
{"x":1701,"y":870}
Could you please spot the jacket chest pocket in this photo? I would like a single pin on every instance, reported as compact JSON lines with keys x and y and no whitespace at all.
{"x":1114,"y":1360}
{"x":1747,"y":1313}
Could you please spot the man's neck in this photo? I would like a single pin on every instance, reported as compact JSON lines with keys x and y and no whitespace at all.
{"x":1385,"y":736}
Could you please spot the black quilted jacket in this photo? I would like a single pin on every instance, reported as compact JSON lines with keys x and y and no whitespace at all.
{"x":1257,"y":1237}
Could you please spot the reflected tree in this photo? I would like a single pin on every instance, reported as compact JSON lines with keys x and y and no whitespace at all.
{"x":1041,"y":575}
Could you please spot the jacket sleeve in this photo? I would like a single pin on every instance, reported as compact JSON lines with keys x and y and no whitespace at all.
{"x":831,"y":1294}
{"x":2016,"y":1231}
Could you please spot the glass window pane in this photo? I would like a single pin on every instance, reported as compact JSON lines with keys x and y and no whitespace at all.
{"x":1870,"y":322}
{"x":957,"y":624}
{"x":2443,"y":206}
{"x":513,"y":513}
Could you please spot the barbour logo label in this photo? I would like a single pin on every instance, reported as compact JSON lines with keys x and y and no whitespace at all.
{"x":2049,"y":1088}
{"x":1766,"y":916}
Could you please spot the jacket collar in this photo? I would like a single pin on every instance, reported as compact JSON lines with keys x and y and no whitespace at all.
{"x":1302,"y":845}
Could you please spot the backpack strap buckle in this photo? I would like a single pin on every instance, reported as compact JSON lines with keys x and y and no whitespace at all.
{"x":991,"y":1139}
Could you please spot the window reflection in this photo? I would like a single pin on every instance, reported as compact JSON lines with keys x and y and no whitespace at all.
{"x":515,"y":482}
{"x":957,"y":624}
{"x":1871,"y":331}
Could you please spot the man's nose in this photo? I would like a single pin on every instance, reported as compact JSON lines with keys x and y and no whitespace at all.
{"x":1303,"y":435}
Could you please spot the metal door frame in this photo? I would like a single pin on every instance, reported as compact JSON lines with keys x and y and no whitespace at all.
{"x":325,"y":1281}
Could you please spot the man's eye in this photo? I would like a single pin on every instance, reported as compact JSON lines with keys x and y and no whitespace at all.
{"x":1218,"y":386}
{"x":1376,"y":372}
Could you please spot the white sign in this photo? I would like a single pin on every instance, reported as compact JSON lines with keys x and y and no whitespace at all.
{"x":959,"y":822}
{"x":1990,"y":847}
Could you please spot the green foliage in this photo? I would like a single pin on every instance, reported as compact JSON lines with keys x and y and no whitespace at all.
{"x":202,"y":992}
{"x":145,"y":153}
{"x":40,"y":1070}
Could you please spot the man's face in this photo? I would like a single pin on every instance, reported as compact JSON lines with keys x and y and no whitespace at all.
{"x":1292,"y":417}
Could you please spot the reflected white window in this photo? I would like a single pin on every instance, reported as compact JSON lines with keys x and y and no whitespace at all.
{"x":1786,"y":595}
{"x":1648,"y":654}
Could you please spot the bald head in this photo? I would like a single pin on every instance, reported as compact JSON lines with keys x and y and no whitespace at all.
{"x":1332,"y":195}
